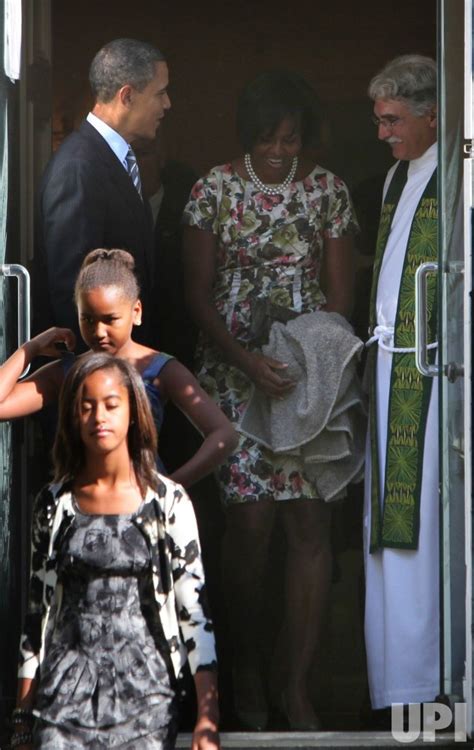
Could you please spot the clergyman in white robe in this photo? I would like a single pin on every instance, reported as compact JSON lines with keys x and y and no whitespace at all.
{"x":402,"y":586}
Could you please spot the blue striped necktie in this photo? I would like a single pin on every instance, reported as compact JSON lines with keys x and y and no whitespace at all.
{"x":133,"y":170}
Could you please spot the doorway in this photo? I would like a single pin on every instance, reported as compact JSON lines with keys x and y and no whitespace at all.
{"x":213,"y":49}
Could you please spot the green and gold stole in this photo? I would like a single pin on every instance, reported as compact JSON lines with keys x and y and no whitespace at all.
{"x":398,"y":524}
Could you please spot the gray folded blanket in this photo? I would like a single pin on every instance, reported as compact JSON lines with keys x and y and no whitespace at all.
{"x":323,"y":418}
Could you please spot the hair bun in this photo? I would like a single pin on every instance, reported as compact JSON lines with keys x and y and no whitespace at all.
{"x":113,"y":254}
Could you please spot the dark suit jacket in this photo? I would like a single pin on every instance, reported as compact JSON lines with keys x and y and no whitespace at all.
{"x":86,"y":200}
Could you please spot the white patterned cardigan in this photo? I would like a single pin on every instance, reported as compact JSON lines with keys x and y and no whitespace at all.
{"x":166,"y":519}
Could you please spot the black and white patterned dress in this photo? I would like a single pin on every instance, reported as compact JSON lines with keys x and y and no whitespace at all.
{"x":105,"y":681}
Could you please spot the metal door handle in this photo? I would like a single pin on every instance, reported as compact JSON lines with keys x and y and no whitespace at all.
{"x":421,"y":335}
{"x":23,"y":277}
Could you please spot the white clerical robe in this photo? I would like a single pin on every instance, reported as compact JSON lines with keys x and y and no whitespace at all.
{"x":402,"y":586}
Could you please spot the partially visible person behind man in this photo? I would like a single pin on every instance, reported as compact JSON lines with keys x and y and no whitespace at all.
{"x":167,"y":184}
{"x":90,"y":194}
{"x":401,"y":494}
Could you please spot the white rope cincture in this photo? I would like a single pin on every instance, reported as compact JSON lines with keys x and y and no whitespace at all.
{"x":383,"y":333}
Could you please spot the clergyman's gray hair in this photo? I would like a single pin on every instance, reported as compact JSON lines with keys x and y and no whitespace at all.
{"x":410,"y":79}
{"x":120,"y":62}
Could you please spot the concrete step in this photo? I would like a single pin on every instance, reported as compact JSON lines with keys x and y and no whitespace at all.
{"x":333,"y":740}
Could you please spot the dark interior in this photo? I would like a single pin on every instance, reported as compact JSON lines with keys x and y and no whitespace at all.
{"x":213,"y":48}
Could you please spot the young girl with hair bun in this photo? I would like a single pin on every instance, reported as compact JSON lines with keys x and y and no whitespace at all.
{"x":107,"y":296}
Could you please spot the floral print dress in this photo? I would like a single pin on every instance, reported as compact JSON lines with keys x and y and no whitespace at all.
{"x":268,"y":247}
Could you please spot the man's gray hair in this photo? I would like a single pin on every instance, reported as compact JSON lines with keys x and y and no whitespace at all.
{"x":120,"y":62}
{"x":410,"y":79}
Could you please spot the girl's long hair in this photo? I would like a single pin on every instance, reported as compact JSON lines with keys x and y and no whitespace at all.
{"x":68,"y":450}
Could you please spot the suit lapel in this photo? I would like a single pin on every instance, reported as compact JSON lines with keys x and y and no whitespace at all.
{"x":119,"y":175}
{"x":120,"y":179}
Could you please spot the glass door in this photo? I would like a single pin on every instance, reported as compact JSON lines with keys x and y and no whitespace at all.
{"x":455,"y":207}
{"x":5,"y":427}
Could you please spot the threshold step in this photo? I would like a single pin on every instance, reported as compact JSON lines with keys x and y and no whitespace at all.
{"x":334,"y":740}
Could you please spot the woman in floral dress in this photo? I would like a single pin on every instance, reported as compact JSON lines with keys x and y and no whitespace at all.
{"x":262,"y":231}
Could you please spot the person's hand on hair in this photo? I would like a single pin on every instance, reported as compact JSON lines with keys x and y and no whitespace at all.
{"x":51,"y":343}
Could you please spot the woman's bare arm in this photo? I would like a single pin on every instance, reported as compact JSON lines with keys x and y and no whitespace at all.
{"x":200,"y":250}
{"x":338,"y":275}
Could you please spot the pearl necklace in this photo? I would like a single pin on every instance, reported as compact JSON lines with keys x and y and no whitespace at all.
{"x":270,"y":189}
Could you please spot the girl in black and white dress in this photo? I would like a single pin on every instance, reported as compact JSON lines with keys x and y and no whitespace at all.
{"x":117,"y":594}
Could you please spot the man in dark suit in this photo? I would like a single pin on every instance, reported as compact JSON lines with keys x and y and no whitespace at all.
{"x":90,"y":193}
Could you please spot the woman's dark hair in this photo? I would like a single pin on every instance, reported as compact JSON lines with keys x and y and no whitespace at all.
{"x":108,"y":268}
{"x":68,"y":450}
{"x":272,"y":97}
